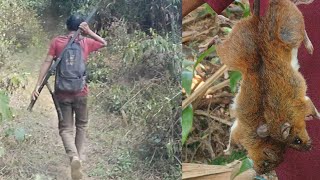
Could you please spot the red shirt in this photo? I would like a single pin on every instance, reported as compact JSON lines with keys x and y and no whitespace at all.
{"x":301,"y":165}
{"x":88,"y":45}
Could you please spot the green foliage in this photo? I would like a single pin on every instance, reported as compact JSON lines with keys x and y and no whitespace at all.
{"x":5,"y":111}
{"x":207,"y":10}
{"x":119,"y":95}
{"x":226,"y":30}
{"x":155,"y":14}
{"x":18,"y":24}
{"x":98,"y":69}
{"x":19,"y":28}
{"x":204,"y":55}
{"x":117,"y":36}
{"x":246,"y":164}
{"x":245,"y":8}
{"x":2,"y":151}
{"x":13,"y":81}
{"x":155,"y":53}
{"x":99,"y":170}
{"x":124,"y":163}
{"x":223,"y":160}
{"x":187,"y":113}
{"x":235,"y":77}
{"x":187,"y":81}
{"x":140,"y":14}
{"x":19,"y":134}
{"x":121,"y":166}
{"x":259,"y":178}
{"x":151,"y":109}
{"x":187,"y":121}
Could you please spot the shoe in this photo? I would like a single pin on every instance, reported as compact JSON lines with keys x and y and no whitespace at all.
{"x":76,"y":173}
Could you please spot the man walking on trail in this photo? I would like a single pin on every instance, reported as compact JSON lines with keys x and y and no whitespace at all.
{"x":72,"y":103}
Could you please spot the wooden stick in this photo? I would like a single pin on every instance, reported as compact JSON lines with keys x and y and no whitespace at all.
{"x":218,"y":86}
{"x":190,"y":171}
{"x":203,"y":113}
{"x":201,"y":91}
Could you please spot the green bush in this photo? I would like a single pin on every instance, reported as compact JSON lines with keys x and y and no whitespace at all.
{"x":158,"y":55}
{"x":19,"y":28}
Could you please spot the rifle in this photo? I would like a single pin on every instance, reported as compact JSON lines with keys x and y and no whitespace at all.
{"x":53,"y":67}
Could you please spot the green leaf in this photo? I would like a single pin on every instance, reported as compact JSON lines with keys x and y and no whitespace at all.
{"x":19,"y":134}
{"x":259,"y":178}
{"x":2,"y":151}
{"x":223,"y":160}
{"x":209,"y":9}
{"x":246,"y":10}
{"x":186,"y":63}
{"x":9,"y":132}
{"x":203,"y":55}
{"x":246,"y":164}
{"x":187,"y":81}
{"x":226,"y":30}
{"x":187,"y":121}
{"x":5,"y":112}
{"x":235,"y":77}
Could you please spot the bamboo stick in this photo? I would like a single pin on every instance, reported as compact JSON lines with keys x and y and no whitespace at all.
{"x":201,"y":91}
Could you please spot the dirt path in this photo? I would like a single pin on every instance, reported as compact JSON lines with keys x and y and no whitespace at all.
{"x":41,"y":155}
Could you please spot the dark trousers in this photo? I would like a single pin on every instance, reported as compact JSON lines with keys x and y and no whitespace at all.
{"x":74,"y":113}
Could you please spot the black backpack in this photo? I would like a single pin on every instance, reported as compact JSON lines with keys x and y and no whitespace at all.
{"x":71,"y":71}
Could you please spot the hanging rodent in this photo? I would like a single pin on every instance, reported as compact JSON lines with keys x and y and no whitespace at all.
{"x":266,"y":153}
{"x":264,"y":50}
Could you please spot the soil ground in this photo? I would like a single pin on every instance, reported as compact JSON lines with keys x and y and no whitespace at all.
{"x":42,"y":156}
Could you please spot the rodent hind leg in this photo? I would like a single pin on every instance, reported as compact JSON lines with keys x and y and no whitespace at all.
{"x":233,"y":138}
{"x":311,"y":109}
{"x":307,"y":43}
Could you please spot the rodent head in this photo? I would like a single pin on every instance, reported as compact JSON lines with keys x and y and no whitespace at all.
{"x":299,"y":139}
{"x":295,"y":133}
{"x":295,"y":136}
{"x":267,"y":156}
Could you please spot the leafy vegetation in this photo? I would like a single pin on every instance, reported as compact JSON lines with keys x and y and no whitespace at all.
{"x":135,"y":79}
{"x":223,"y":160}
{"x":142,"y":88}
{"x":19,"y":29}
{"x":5,"y":112}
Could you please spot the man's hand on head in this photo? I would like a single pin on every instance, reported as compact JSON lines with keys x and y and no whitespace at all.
{"x":85,"y":28}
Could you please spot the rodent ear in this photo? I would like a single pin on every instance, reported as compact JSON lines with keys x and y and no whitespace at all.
{"x":285,"y":130}
{"x":262,"y":131}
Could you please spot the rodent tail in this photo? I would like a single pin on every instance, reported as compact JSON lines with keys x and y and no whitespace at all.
{"x":239,"y":50}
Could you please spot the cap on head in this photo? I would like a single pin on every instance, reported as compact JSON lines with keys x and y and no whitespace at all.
{"x":74,"y":21}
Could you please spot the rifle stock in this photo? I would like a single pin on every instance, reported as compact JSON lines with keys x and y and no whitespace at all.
{"x":55,"y":64}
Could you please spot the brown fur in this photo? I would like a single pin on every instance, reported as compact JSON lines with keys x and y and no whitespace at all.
{"x":266,"y":153}
{"x":284,"y":87}
{"x":240,"y":52}
{"x":272,"y":91}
